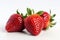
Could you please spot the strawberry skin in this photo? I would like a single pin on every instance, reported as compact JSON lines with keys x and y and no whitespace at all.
{"x":46,"y":17}
{"x":34,"y":24}
{"x":15,"y":23}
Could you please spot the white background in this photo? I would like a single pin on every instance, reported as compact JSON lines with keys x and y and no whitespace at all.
{"x":8,"y":7}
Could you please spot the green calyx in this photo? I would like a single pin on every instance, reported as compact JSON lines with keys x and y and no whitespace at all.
{"x":40,"y":12}
{"x":17,"y":12}
{"x":30,"y":11}
{"x":52,"y":23}
{"x":24,"y":16}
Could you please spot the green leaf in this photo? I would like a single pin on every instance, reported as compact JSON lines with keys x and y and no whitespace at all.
{"x":54,"y":23}
{"x":51,"y":20}
{"x":29,"y":12}
{"x":25,"y":16}
{"x":17,"y":12}
{"x":40,"y":12}
{"x":51,"y":26}
{"x":22,"y":14}
{"x":53,"y":15}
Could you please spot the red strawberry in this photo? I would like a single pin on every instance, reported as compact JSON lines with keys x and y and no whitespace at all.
{"x":15,"y":23}
{"x":47,"y":19}
{"x":33,"y":23}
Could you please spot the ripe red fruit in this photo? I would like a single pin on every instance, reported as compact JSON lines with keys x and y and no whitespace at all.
{"x":15,"y":23}
{"x":48,"y":19}
{"x":34,"y":24}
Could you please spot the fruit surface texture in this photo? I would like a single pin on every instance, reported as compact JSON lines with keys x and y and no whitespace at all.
{"x":46,"y":17}
{"x":34,"y":24}
{"x":15,"y":23}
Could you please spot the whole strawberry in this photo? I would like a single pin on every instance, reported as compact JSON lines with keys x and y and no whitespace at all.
{"x":15,"y":23}
{"x":48,"y":19}
{"x":33,"y":23}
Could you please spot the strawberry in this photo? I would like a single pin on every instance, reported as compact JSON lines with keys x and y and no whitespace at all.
{"x":33,"y":23}
{"x":15,"y":23}
{"x":48,"y":19}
